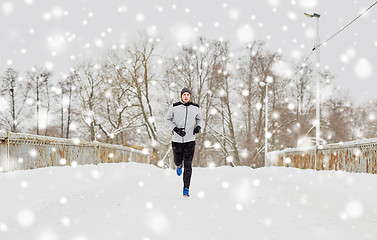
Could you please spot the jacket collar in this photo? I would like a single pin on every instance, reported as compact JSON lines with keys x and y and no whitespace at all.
{"x":186,"y":104}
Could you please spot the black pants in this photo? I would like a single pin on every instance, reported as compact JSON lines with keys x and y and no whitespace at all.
{"x":184,"y":152}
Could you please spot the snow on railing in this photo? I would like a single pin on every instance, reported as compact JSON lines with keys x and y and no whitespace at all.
{"x":354,"y":156}
{"x":24,"y":151}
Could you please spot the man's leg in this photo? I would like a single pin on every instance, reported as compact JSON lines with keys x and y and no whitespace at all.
{"x":178,"y":153}
{"x":188,"y":155}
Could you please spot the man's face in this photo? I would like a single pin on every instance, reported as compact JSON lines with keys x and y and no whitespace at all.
{"x":186,"y":97}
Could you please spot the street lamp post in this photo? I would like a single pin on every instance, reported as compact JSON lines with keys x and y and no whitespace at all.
{"x":318,"y":90}
{"x":265,"y":84}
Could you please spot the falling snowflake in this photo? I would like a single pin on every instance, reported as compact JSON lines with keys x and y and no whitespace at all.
{"x":274,"y":3}
{"x":242,"y":192}
{"x":183,"y":33}
{"x":354,"y":209}
{"x":157,"y":222}
{"x":3,"y":104}
{"x":292,"y":16}
{"x":239,"y":207}
{"x":234,"y":14}
{"x":62,"y":161}
{"x":217,"y":145}
{"x":256,"y":182}
{"x":213,"y":111}
{"x":122,"y":9}
{"x":140,"y":17}
{"x":201,"y":194}
{"x":29,"y":2}
{"x":24,"y":184}
{"x":310,"y":33}
{"x":96,"y":174}
{"x":7,"y":8}
{"x":149,"y":205}
{"x":363,"y":68}
{"x":225,"y":185}
{"x":4,"y":228}
{"x":26,"y":217}
{"x":57,"y":12}
{"x":74,"y":164}
{"x":56,"y":42}
{"x":308,"y":4}
{"x":63,"y":200}
{"x":33,"y":153}
{"x":287,"y":160}
{"x":65,"y":221}
{"x":245,"y":34}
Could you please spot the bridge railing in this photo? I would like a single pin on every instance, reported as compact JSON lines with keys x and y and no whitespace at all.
{"x":356,"y":156}
{"x":24,"y":151}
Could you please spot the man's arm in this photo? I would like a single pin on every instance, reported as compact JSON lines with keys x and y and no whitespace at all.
{"x":169,"y":118}
{"x":199,"y":118}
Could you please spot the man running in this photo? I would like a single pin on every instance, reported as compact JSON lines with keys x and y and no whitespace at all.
{"x":185,"y":119}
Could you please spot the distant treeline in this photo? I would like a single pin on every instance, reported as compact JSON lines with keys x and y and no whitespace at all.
{"x":123,"y":95}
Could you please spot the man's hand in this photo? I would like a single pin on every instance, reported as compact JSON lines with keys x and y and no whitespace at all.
{"x":180,"y":131}
{"x":197,"y":130}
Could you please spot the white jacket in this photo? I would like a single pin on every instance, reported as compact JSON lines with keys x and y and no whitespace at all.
{"x":186,"y":116}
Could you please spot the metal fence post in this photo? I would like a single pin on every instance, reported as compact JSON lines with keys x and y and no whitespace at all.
{"x":8,"y":151}
{"x":98,"y":154}
{"x":316,"y":158}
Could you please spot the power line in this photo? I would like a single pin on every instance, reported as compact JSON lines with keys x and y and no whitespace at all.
{"x":319,"y":45}
{"x":307,"y":58}
{"x":340,"y":30}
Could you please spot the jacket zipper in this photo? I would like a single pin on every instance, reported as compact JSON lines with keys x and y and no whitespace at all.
{"x":183,"y":138}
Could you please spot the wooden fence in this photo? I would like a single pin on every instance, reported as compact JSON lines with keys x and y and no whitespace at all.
{"x":355,"y":156}
{"x":24,"y":151}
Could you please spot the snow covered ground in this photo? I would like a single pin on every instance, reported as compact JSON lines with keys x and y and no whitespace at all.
{"x":139,"y":201}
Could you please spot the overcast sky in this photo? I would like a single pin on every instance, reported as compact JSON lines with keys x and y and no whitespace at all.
{"x":56,"y":33}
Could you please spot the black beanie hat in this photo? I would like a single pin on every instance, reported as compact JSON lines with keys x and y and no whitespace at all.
{"x":185,"y":90}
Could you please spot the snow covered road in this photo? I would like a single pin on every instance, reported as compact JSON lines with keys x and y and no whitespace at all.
{"x":139,"y":201}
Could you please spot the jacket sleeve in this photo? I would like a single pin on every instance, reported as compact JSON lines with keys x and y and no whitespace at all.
{"x":199,"y":118}
{"x":169,"y":118}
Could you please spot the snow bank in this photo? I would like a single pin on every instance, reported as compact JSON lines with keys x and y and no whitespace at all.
{"x":140,"y":201}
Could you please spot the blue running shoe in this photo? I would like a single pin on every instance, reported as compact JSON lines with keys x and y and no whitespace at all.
{"x":179,"y":170}
{"x":186,"y":192}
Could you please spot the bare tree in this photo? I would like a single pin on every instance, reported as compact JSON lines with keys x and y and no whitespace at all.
{"x":88,"y":78}
{"x":118,"y":109}
{"x":66,"y":98}
{"x":302,"y":85}
{"x":47,"y":104}
{"x":39,"y":80}
{"x":137,"y":73}
{"x":227,"y":114}
{"x":256,"y":65}
{"x":292,"y":104}
{"x":15,"y":91}
{"x":248,"y":63}
{"x":337,"y":118}
{"x":369,"y":115}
